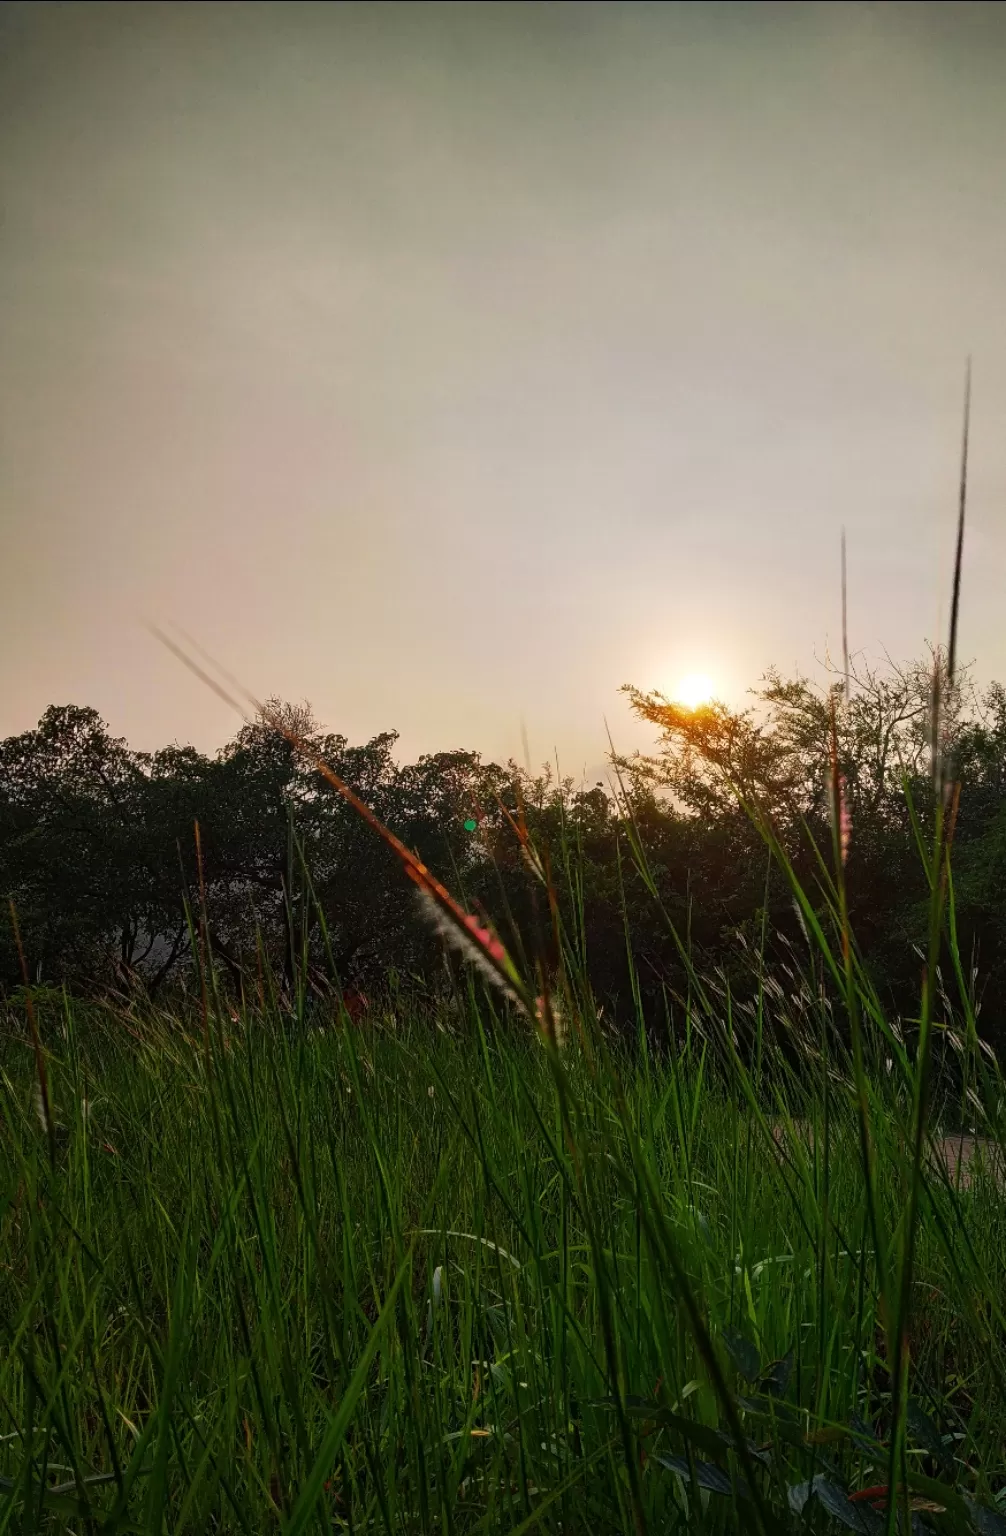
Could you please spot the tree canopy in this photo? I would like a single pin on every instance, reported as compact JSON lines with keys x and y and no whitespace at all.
{"x":99,"y":853}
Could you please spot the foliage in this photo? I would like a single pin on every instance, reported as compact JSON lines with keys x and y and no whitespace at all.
{"x":98,"y":846}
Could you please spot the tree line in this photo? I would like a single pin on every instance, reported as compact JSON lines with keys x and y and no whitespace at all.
{"x":107,"y":854}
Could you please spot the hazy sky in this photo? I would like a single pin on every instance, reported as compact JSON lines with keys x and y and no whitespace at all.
{"x":449,"y":366}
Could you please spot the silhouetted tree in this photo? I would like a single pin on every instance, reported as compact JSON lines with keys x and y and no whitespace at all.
{"x":98,"y":847}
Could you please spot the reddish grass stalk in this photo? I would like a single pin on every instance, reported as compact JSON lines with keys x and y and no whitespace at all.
{"x":475,"y":940}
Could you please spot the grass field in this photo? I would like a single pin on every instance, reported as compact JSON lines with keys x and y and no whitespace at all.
{"x":430,"y":1273}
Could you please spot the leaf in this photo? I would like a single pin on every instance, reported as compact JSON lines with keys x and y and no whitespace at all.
{"x":785,"y":1418}
{"x":837,"y":1504}
{"x":878,"y":1498}
{"x":707,"y":1475}
{"x":939,"y":1493}
{"x":743,"y":1354}
{"x":703,"y":1436}
{"x":924,"y":1432}
{"x":797,"y":1495}
{"x":927,"y":1497}
{"x":827,"y":1435}
{"x":775,"y":1380}
{"x":863,"y":1436}
{"x":757,"y":1453}
{"x":840,"y":1507}
{"x":987,"y":1522}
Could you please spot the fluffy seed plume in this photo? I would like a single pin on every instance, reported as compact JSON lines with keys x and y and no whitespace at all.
{"x":551,"y":1020}
{"x":844,"y":819}
{"x":533,"y":863}
{"x":841,"y":815}
{"x":42,"y":1110}
{"x":477,"y":944}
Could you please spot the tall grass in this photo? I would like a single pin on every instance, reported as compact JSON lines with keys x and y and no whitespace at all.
{"x":432,"y":1273}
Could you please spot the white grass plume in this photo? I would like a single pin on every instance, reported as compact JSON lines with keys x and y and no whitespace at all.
{"x":476,"y":944}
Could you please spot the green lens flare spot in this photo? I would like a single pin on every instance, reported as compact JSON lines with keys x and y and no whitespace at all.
{"x":470,"y":825}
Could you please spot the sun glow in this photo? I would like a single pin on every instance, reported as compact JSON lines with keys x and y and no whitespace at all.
{"x":694,"y":690}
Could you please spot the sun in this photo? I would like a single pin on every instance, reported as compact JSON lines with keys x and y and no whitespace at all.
{"x":694,"y":690}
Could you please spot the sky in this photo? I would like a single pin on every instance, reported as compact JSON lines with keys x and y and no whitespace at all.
{"x":451,"y":366}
